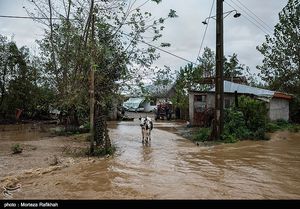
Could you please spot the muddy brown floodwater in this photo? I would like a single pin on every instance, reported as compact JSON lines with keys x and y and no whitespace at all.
{"x":172,"y":167}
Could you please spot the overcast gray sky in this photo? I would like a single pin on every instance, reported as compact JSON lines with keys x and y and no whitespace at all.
{"x":184,"y":33}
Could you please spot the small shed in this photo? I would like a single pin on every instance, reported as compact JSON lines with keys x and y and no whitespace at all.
{"x":200,"y":101}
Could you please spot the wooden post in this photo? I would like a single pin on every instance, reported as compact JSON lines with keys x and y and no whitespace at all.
{"x":219,"y":80}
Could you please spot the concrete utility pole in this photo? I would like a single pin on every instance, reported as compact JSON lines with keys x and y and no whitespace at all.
{"x":219,"y":80}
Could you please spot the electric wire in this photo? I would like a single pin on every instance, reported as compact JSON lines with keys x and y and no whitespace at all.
{"x":255,"y":15}
{"x":250,"y":18}
{"x":202,"y":41}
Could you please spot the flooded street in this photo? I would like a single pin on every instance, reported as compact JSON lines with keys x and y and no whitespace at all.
{"x":172,"y":167}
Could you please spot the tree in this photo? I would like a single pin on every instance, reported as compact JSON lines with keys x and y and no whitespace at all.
{"x":21,"y":82}
{"x":207,"y":62}
{"x":103,"y":36}
{"x":281,"y":63}
{"x":4,"y":72}
{"x":182,"y":86}
{"x":232,"y":68}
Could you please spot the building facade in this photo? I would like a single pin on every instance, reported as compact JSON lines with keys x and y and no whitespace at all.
{"x":201,"y":103}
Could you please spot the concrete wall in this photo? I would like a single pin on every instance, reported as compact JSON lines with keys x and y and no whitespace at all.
{"x":210,"y":100}
{"x":279,"y":109}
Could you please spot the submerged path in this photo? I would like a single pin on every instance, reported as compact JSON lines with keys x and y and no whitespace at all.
{"x":172,"y":167}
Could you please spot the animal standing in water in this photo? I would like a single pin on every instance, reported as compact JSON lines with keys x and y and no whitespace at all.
{"x":147,"y":126}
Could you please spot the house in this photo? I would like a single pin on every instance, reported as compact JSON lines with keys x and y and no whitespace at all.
{"x":200,"y":101}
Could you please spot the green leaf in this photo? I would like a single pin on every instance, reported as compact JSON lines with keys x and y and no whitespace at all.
{"x":172,"y":14}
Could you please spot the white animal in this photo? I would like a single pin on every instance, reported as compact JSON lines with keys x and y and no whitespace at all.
{"x":147,"y":126}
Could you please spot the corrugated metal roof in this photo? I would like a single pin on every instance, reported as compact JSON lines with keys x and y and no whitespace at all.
{"x":133,"y":102}
{"x":230,"y":87}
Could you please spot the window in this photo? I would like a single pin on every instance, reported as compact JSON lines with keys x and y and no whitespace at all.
{"x":200,"y":98}
{"x":200,"y":103}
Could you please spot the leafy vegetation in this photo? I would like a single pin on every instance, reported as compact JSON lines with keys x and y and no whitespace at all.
{"x":282,"y":125}
{"x":20,"y":83}
{"x":89,"y":36}
{"x":247,"y":121}
{"x":235,"y":126}
{"x":202,"y":134}
{"x":103,"y":37}
{"x":254,"y":113}
{"x":16,"y":148}
{"x":280,"y":68}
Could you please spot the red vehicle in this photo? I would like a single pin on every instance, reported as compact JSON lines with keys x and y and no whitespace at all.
{"x":163,"y":110}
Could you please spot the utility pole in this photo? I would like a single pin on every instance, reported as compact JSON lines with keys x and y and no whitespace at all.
{"x":92,"y":88}
{"x":219,"y":80}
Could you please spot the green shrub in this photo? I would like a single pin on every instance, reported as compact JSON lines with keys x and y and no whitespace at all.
{"x":229,"y":138}
{"x":294,"y":128}
{"x":202,"y":134}
{"x":282,"y":123}
{"x":235,"y":125}
{"x":248,"y":121}
{"x":87,"y":126}
{"x":272,"y":127}
{"x":254,"y":112}
{"x":16,"y":148}
{"x":259,"y":134}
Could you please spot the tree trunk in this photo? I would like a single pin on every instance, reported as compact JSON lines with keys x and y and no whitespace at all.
{"x":101,"y":136}
{"x":3,"y":86}
{"x":72,"y":122}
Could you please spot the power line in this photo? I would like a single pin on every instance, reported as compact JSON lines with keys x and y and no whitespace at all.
{"x":266,"y":32}
{"x":179,"y":57}
{"x":255,"y":19}
{"x":27,"y":17}
{"x":212,"y":6}
{"x":249,"y":15}
{"x":165,"y":51}
{"x":255,"y":15}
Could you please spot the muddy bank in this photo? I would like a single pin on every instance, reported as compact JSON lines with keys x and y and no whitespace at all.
{"x":40,"y":147}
